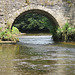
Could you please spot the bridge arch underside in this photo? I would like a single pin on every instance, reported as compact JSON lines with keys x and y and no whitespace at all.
{"x":53,"y":21}
{"x":46,"y":14}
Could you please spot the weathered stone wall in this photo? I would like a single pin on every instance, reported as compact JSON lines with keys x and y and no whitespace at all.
{"x":60,"y":7}
{"x":69,"y":6}
{"x":2,"y":14}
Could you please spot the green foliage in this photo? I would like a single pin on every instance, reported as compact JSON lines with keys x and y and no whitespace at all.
{"x":66,"y":33}
{"x":59,"y":31}
{"x":71,"y":30}
{"x":15,"y":30}
{"x":65,"y":27}
{"x":0,"y":29}
{"x":2,"y":34}
{"x":8,"y":36}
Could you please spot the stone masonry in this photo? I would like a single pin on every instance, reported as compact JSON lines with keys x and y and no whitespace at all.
{"x":59,"y":11}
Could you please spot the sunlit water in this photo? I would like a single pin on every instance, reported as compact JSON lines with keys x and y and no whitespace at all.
{"x":40,"y":40}
{"x":37,"y":55}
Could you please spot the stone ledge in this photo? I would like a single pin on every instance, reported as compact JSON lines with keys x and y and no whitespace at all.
{"x":8,"y":42}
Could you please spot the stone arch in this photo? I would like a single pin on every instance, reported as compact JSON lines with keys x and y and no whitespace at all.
{"x":56,"y":17}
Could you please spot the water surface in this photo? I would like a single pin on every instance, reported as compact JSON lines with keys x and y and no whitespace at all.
{"x":37,"y":55}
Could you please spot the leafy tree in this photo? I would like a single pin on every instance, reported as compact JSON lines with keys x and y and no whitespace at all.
{"x":33,"y":22}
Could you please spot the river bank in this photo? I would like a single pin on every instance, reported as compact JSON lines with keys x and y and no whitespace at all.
{"x":65,"y":34}
{"x":67,"y":43}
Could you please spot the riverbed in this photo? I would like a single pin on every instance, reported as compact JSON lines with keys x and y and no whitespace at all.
{"x":37,"y":55}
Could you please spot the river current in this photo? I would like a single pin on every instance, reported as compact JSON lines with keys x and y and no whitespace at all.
{"x":37,"y":55}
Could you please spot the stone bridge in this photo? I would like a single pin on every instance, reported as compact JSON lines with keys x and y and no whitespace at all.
{"x":58,"y":11}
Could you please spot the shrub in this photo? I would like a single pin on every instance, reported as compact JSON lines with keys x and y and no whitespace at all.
{"x":7,"y":35}
{"x":66,"y":33}
{"x":15,"y":30}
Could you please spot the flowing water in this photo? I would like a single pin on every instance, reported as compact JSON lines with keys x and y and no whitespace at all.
{"x":37,"y":55}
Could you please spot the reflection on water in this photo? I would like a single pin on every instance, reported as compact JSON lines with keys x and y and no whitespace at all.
{"x":37,"y":59}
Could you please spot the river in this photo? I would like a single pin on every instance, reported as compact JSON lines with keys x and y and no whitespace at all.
{"x":37,"y":55}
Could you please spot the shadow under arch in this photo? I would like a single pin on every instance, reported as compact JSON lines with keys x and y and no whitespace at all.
{"x":42,"y":12}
